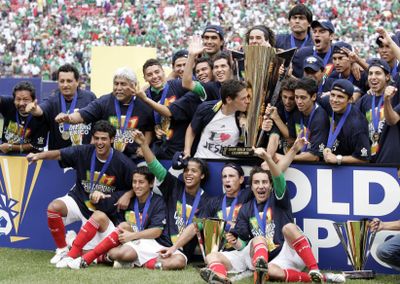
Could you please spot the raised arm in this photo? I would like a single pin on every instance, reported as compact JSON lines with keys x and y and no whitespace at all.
{"x":161,"y":109}
{"x":391,"y":116}
{"x":386,"y":39}
{"x":195,"y":49}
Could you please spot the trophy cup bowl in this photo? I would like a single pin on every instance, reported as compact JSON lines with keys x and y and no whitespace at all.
{"x":356,"y":239}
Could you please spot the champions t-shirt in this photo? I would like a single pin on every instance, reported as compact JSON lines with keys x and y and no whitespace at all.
{"x":35,"y":132}
{"x":52,"y":107}
{"x":116,"y":180}
{"x":155,"y":218}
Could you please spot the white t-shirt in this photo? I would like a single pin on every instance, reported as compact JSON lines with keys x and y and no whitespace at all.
{"x":221,"y":131}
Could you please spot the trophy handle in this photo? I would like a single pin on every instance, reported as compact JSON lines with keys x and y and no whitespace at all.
{"x":339,"y":230}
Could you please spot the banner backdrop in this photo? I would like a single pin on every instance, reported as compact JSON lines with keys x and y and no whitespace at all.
{"x":320,"y":196}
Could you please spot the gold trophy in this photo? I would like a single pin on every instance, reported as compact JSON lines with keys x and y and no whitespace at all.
{"x":356,"y":239}
{"x":211,"y":237}
{"x":119,"y":143}
{"x":75,"y":134}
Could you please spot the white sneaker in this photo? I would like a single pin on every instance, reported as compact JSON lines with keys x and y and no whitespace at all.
{"x":334,"y":277}
{"x":77,"y":263}
{"x":122,"y":264}
{"x":60,"y":253}
{"x":70,"y":237}
{"x":63,"y":263}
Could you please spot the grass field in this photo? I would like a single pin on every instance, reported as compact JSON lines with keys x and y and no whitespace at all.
{"x":28,"y":266}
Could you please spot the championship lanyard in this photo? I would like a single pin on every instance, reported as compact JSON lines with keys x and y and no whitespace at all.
{"x":194,"y":207}
{"x":103,"y":168}
{"x":225,"y":216}
{"x":127,"y":116}
{"x":334,"y":132}
{"x":71,"y":108}
{"x":21,"y":140}
{"x":293,"y":43}
{"x":262,"y":222}
{"x":375,"y":114}
{"x":395,"y":69}
{"x":157,"y":116}
{"x":140,"y":221}
{"x":326,"y":57}
{"x":308,"y":124}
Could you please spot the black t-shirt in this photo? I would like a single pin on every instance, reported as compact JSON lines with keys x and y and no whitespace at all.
{"x":301,"y":54}
{"x":156,"y":217}
{"x":35,"y":132}
{"x":141,"y":118}
{"x":116,"y":180}
{"x":361,"y":84}
{"x":52,"y":107}
{"x":283,"y":41}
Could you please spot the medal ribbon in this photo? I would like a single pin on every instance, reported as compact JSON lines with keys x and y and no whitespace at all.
{"x":375,"y":114}
{"x":140,"y":222}
{"x":293,"y":43}
{"x":127,"y":116}
{"x":194,"y":207}
{"x":22,"y":138}
{"x":157,"y":116}
{"x":326,"y":57}
{"x":262,"y":222}
{"x":103,"y":168}
{"x":395,"y":69}
{"x":333,"y":134}
{"x":225,"y":216}
{"x":306,"y":131}
{"x":71,"y":108}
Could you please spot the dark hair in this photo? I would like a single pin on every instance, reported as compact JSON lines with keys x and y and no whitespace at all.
{"x":224,"y":55}
{"x":104,"y":126}
{"x":66,"y":68}
{"x":144,"y":171}
{"x":256,"y":170}
{"x":289,"y":84}
{"x":231,"y":88}
{"x":234,"y":166}
{"x":301,"y":9}
{"x":307,"y":84}
{"x":203,"y":167}
{"x":269,"y":35}
{"x":25,"y":86}
{"x":203,"y":59}
{"x":151,"y":62}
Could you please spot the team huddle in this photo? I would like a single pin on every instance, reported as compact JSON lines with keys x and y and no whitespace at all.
{"x":333,"y":106}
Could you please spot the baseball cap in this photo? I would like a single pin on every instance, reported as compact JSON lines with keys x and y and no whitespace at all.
{"x":344,"y":86}
{"x":337,"y":47}
{"x":313,"y":62}
{"x":178,"y":162}
{"x":214,"y":29}
{"x":394,"y":38}
{"x":326,"y":24}
{"x":179,"y":54}
{"x":380,"y":63}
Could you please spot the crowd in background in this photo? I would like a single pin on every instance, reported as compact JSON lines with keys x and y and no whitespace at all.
{"x":39,"y":36}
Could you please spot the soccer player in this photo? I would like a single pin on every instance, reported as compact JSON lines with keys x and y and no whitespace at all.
{"x":348,"y":140}
{"x":67,"y":99}
{"x":213,"y":40}
{"x":310,"y":121}
{"x":300,"y":18}
{"x":122,"y":110}
{"x":216,"y":123}
{"x":314,"y":68}
{"x":103,"y":180}
{"x":178,"y":63}
{"x":185,"y":199}
{"x":21,"y":132}
{"x":260,"y":35}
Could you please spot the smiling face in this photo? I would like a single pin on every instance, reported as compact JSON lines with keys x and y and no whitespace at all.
{"x":192,"y":175}
{"x":304,"y":101}
{"x":221,"y":70}
{"x":102,"y":143}
{"x":212,"y":42}
{"x":122,"y":89}
{"x":203,"y":72}
{"x":338,"y":101}
{"x":261,"y":187}
{"x":67,"y":84}
{"x":141,"y":186}
{"x":179,"y":66}
{"x":21,"y":100}
{"x":322,"y":39}
{"x":231,"y":181}
{"x":377,"y":79}
{"x":155,"y":76}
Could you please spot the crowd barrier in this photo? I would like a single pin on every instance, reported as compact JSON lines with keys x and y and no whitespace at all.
{"x":320,"y":195}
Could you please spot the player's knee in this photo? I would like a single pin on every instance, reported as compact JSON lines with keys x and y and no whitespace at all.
{"x":124,"y":226}
{"x":99,"y":217}
{"x":382,"y":253}
{"x":275,"y":272}
{"x":257,"y":240}
{"x":57,"y":206}
{"x":289,"y":229}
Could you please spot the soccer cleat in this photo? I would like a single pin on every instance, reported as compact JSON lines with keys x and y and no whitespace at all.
{"x":63,"y":263}
{"x":212,"y":277}
{"x":70,"y":237}
{"x":334,"y":278}
{"x":122,"y":264}
{"x":60,"y":253}
{"x":77,"y":263}
{"x":261,"y":272}
{"x":316,"y":276}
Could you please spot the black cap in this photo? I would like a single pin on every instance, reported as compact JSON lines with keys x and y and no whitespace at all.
{"x":214,"y":29}
{"x":380,"y":63}
{"x":179,"y":54}
{"x":337,"y":47}
{"x":326,"y":24}
{"x":178,"y":162}
{"x":344,"y":86}
{"x":313,"y":62}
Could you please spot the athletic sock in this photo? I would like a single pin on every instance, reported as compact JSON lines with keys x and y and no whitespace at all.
{"x":86,"y":233}
{"x":296,"y":276}
{"x":57,"y":228}
{"x":111,"y":241}
{"x":151,"y":263}
{"x":259,"y":249}
{"x":303,"y":249}
{"x":219,"y":268}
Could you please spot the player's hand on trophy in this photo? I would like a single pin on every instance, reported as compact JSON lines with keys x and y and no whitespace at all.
{"x":196,"y":46}
{"x":376,"y":225}
{"x":267,"y":124}
{"x":165,"y":253}
{"x":138,"y":136}
{"x":31,"y":107}
{"x":96,"y":196}
{"x":272,"y":112}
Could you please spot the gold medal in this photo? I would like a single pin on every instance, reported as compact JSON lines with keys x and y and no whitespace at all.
{"x":375,"y":137}
{"x":65,"y":135}
{"x":119,"y":145}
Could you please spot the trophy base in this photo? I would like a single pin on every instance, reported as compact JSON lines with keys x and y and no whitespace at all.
{"x":359,"y":274}
{"x":238,"y":152}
